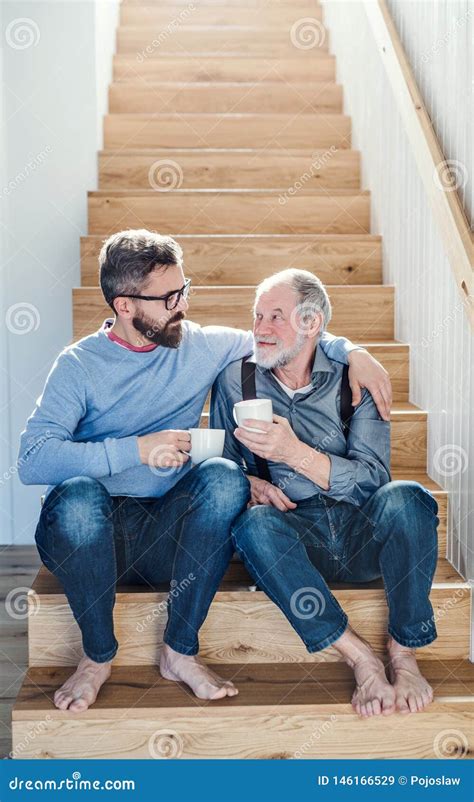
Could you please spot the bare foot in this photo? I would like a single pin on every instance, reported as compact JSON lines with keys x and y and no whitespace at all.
{"x":412,"y":691}
{"x":373,"y":695}
{"x":204,"y":682}
{"x":80,"y":691}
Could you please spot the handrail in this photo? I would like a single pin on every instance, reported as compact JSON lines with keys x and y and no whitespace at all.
{"x":445,"y":203}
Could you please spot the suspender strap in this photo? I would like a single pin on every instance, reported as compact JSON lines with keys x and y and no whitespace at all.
{"x":346,"y":408}
{"x":249,"y":391}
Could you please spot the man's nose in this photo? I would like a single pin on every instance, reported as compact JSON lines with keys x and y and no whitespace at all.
{"x":263,"y":327}
{"x":183,"y":305}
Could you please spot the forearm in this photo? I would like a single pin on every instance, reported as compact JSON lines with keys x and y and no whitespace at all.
{"x":51,"y":460}
{"x":337,"y":348}
{"x":312,"y":464}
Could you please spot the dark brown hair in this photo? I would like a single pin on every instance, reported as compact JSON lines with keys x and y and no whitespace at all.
{"x":128,"y":257}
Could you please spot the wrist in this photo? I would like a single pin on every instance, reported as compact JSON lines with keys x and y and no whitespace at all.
{"x":357,"y":349}
{"x":298,"y":454}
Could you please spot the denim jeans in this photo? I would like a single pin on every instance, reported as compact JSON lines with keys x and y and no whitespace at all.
{"x":91,"y":540}
{"x":291,"y":555}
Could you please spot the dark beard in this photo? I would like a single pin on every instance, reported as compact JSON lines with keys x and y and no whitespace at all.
{"x":169,"y":336}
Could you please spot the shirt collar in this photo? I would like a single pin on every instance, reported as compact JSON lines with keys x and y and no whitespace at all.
{"x":107,"y":325}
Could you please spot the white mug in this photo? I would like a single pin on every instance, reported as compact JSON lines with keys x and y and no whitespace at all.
{"x":257,"y":408}
{"x":206,"y":443}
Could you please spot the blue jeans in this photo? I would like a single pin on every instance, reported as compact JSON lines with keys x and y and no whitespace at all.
{"x":292,"y":554}
{"x":91,"y":540}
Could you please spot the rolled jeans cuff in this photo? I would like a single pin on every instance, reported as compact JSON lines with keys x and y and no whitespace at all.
{"x":323,"y":644}
{"x":101,"y":658}
{"x":413,"y":643}
{"x":181,"y":647}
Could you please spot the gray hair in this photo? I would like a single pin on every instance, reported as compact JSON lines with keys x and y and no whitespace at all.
{"x":311,"y":292}
{"x":127,"y":258}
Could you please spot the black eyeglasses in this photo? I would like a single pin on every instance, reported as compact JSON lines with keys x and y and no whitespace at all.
{"x":171,"y":299}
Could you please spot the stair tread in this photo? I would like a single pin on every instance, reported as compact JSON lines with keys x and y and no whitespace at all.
{"x":120,"y":193}
{"x":226,"y":114}
{"x":265,"y":237}
{"x":221,"y":84}
{"x":244,"y":57}
{"x":139,"y":688}
{"x":225,"y":150}
{"x":236,"y":580}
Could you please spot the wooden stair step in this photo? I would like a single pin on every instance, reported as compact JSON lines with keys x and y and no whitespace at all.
{"x":247,"y":259}
{"x":359,"y":312}
{"x":217,"y":40}
{"x":230,"y":168}
{"x":303,"y":6}
{"x":282,"y":707}
{"x":224,"y":68}
{"x":312,"y":131}
{"x":247,"y":211}
{"x":161,"y":16}
{"x":241,"y":623}
{"x":242,"y":97}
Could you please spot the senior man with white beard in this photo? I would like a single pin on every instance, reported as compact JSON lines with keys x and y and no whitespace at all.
{"x":323,"y":506}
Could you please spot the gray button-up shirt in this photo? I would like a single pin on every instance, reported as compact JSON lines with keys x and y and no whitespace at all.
{"x":359,"y":466}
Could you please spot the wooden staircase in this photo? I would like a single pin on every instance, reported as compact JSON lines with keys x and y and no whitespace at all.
{"x":229,"y":135}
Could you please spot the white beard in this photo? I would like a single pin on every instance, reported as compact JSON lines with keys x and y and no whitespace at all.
{"x":281,"y":356}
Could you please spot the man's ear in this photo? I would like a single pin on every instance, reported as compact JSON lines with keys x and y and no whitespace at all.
{"x":315,"y":326}
{"x":122,"y":307}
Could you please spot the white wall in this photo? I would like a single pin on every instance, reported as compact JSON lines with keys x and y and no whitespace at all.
{"x":429,"y":315}
{"x":438,"y":39}
{"x":56,"y":60}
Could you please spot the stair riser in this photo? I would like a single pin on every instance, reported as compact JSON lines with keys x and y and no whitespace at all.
{"x":330,"y":731}
{"x":213,"y":98}
{"x":359,"y":314}
{"x":230,"y":214}
{"x":216,"y":131}
{"x":208,"y":68}
{"x":270,"y":42}
{"x":211,"y":170}
{"x":241,"y":626}
{"x":240,"y":260}
{"x":160,"y":18}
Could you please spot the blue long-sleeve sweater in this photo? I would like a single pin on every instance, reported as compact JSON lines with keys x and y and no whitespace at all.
{"x":100,"y":396}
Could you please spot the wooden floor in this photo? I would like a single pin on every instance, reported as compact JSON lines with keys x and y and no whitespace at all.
{"x":18,"y":567}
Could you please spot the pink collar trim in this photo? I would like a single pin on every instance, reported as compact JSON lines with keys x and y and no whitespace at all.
{"x":116,"y":339}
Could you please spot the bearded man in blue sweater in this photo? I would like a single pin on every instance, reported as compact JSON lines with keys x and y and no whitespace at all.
{"x":110,"y":437}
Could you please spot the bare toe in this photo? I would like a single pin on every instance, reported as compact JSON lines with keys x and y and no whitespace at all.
{"x":388,"y":706}
{"x":219,"y":693}
{"x":78,"y":704}
{"x":62,"y":700}
{"x":402,"y":705}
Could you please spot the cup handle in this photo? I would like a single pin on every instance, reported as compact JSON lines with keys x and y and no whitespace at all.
{"x":235,"y":417}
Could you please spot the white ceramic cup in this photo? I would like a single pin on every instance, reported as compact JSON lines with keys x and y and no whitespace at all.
{"x":257,"y":408}
{"x":206,"y":443}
